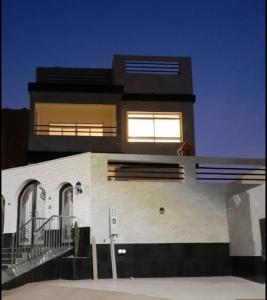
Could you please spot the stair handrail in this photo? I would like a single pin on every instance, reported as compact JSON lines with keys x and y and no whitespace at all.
{"x":54,"y":240}
{"x":30,"y":220}
{"x":25,"y":224}
{"x":16,"y":236}
{"x":50,"y":218}
{"x":47,"y":220}
{"x":50,"y":235}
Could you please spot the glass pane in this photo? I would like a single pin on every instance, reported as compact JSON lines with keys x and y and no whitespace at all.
{"x":68,"y":131}
{"x":96,"y":131}
{"x":55,"y":131}
{"x":83,"y":132}
{"x":167,"y":128}
{"x":140,"y":128}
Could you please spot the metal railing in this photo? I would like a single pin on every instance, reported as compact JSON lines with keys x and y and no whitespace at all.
{"x":124,"y":171}
{"x":230,"y":173}
{"x":38,"y":241}
{"x":74,"y":129}
{"x":22,"y":240}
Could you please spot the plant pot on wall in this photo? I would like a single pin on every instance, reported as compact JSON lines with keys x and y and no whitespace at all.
{"x":76,"y":239}
{"x":74,"y":268}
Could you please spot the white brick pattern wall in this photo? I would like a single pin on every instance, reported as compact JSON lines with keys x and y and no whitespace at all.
{"x":52,"y":175}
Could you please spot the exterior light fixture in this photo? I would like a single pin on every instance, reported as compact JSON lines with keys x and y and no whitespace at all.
{"x":78,"y":188}
{"x":122,"y":251}
{"x":162,"y":211}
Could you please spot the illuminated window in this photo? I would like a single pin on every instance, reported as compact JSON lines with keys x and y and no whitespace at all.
{"x":156,"y":127}
{"x":76,"y":129}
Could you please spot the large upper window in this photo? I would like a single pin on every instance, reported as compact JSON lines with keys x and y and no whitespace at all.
{"x":155,"y":127}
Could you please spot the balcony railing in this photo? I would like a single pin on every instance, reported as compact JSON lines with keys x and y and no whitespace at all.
{"x":229,"y":173}
{"x":92,"y":130}
{"x":137,"y":171}
{"x":187,"y":169}
{"x":224,"y":170}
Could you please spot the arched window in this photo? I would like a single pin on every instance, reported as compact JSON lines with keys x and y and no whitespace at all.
{"x":65,"y":210}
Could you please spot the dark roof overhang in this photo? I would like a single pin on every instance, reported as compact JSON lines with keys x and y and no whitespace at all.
{"x":159,"y":97}
{"x":82,"y":88}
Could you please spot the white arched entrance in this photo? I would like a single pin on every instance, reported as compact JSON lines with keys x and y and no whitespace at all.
{"x":66,"y":210}
{"x":31,"y":210}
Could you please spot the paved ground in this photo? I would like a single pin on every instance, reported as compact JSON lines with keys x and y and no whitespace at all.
{"x":41,"y":291}
{"x":197,"y":288}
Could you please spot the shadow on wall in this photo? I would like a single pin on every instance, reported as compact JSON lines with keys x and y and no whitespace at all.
{"x":240,"y":225}
{"x":3,"y":202}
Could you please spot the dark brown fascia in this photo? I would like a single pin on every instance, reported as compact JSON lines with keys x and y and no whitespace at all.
{"x":113,"y":89}
{"x":59,"y":87}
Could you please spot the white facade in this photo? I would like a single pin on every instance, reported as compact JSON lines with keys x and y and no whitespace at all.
{"x":195,"y":212}
{"x":52,"y":175}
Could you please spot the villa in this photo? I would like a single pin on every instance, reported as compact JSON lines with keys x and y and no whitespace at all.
{"x":114,"y":150}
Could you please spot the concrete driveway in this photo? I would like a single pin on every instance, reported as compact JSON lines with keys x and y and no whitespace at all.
{"x":197,"y":288}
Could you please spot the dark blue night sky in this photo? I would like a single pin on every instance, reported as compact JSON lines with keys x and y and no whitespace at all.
{"x":225,"y":40}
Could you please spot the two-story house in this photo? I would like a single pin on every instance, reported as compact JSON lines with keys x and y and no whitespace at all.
{"x":114,"y":150}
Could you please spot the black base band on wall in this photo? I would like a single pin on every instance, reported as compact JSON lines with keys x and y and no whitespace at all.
{"x":165,"y":260}
{"x":148,"y":260}
{"x":6,"y":240}
{"x":249,"y":267}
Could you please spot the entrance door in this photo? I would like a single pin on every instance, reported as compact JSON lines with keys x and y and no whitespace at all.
{"x":31,"y":205}
{"x":65,"y":209}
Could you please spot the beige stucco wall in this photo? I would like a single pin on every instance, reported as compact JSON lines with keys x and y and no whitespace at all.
{"x":246,"y":209}
{"x":194,"y":212}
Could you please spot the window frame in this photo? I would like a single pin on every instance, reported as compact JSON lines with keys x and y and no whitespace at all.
{"x":154,"y":116}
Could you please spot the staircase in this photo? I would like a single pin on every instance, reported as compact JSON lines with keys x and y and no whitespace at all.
{"x":5,"y":258}
{"x":36,"y":242}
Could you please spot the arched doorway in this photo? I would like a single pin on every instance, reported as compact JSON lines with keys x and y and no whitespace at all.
{"x":31,"y":208}
{"x":66,"y":211}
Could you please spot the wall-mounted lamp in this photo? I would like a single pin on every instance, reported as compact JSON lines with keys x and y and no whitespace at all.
{"x":162,"y":211}
{"x":78,"y":188}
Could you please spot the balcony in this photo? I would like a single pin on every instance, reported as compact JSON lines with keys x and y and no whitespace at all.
{"x":74,"y":128}
{"x":68,"y":119}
